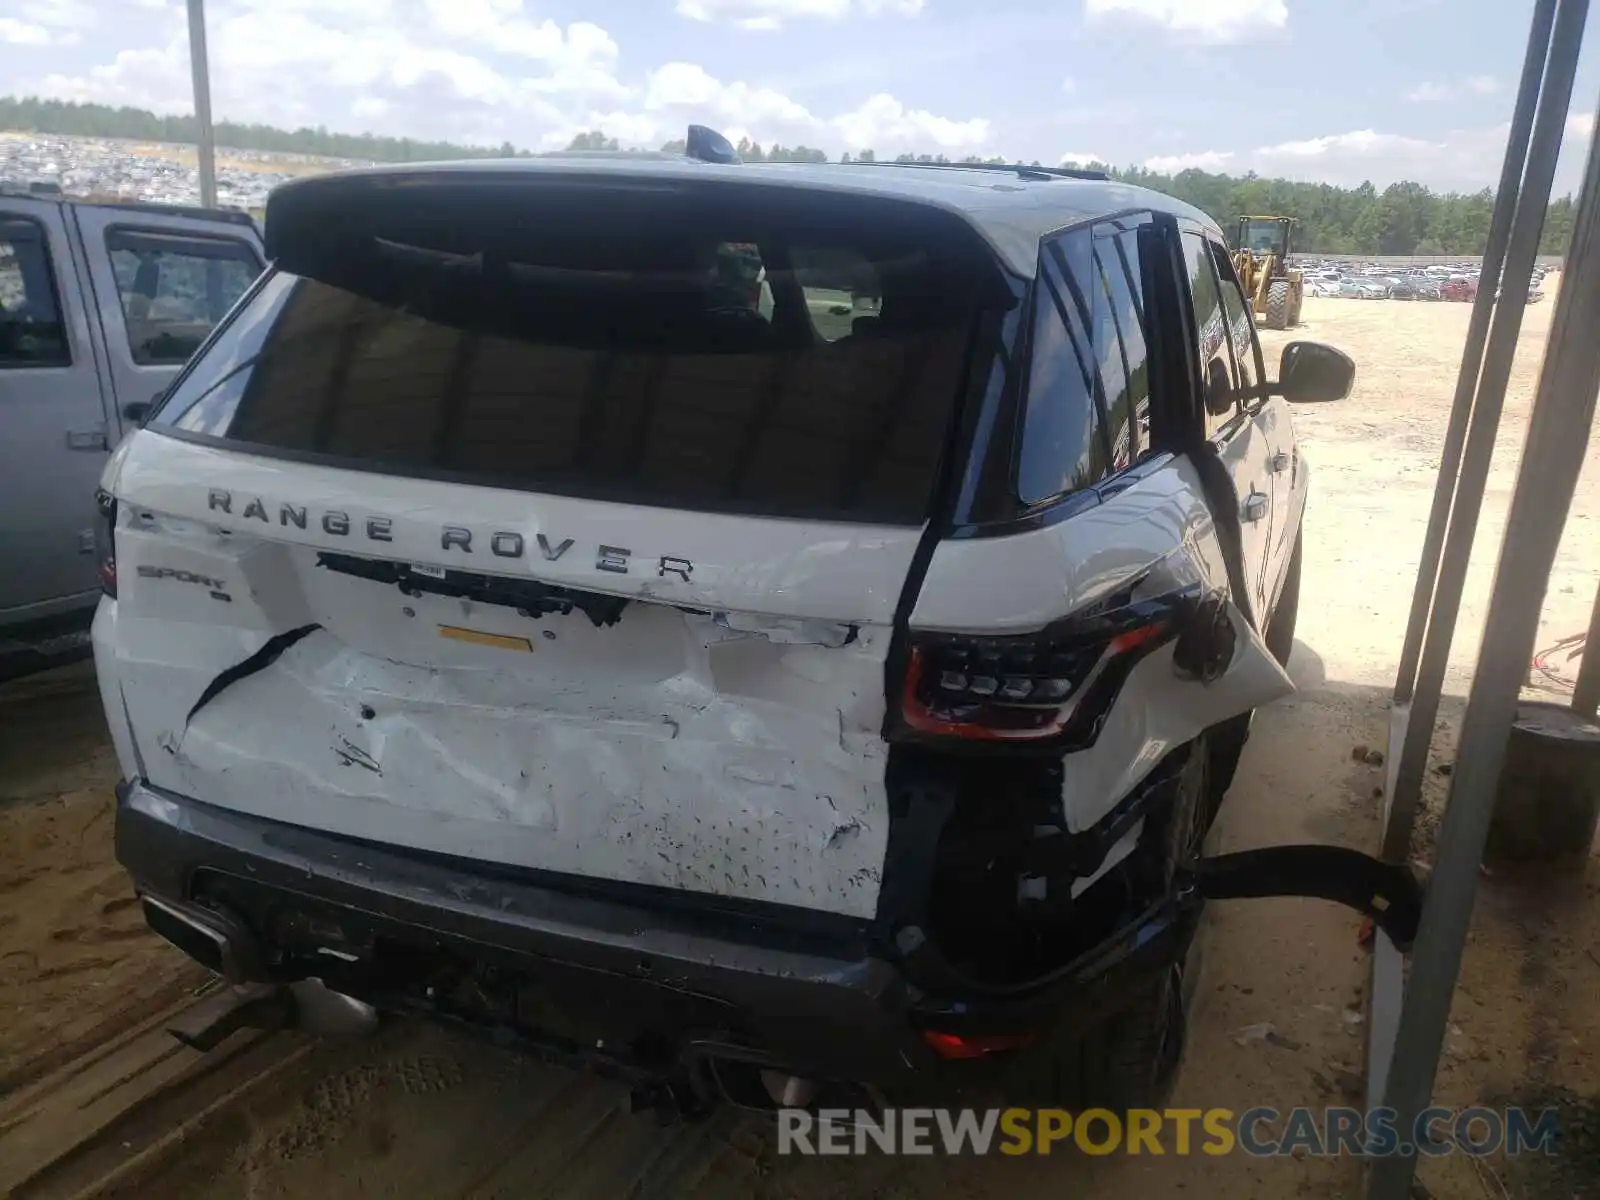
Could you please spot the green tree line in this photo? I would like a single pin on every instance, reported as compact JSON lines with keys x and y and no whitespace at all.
{"x":1403,"y":218}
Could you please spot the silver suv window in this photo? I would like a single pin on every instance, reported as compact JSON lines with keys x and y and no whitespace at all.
{"x":174,"y":290}
{"x":31,"y":332}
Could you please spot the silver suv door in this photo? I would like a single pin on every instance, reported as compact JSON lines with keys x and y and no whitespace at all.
{"x":162,"y":283}
{"x":52,"y":418}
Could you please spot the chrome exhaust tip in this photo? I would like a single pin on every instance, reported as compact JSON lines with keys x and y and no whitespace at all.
{"x":212,"y":938}
{"x":789,"y":1091}
{"x":321,"y":1010}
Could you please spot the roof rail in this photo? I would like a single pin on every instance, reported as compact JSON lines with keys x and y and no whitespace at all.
{"x":52,"y":191}
{"x":1021,"y":170}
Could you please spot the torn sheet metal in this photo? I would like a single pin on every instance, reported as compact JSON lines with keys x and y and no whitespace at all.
{"x":1159,"y":710}
{"x":741,"y":768}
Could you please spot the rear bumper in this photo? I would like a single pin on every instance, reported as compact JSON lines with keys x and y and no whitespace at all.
{"x":601,"y":981}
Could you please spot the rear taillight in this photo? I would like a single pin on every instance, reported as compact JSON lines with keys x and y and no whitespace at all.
{"x":107,"y":504}
{"x":1055,"y":685}
{"x":966,"y":1046}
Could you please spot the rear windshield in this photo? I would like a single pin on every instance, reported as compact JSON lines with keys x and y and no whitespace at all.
{"x":804,"y":368}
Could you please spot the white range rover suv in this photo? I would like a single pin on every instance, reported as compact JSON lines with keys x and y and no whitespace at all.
{"x":753,"y":630}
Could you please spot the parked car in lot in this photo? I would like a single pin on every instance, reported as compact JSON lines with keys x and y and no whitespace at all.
{"x":100,"y":304}
{"x":1363,"y":289}
{"x":504,"y":626}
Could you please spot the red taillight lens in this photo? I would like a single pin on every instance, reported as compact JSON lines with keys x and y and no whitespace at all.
{"x":1031,"y":688}
{"x":107,"y":504}
{"x":958,"y":1046}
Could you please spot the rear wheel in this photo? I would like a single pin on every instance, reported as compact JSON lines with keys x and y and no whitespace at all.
{"x":1278,"y":304}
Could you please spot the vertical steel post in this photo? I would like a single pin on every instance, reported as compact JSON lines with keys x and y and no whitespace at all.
{"x":1494,"y":254}
{"x":1522,"y":248}
{"x":1586,"y":693}
{"x":207,"y":154}
{"x":1558,"y":438}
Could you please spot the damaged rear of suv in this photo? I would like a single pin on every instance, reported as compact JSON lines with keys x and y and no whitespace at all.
{"x":743,"y":691}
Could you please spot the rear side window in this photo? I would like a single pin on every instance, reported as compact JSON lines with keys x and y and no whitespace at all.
{"x":700,"y":368}
{"x":1241,"y":329}
{"x":31,"y":332}
{"x":1088,"y":399}
{"x":174,"y":290}
{"x":1218,"y":375}
{"x":1123,"y":355}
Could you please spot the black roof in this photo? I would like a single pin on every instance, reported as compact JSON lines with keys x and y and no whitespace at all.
{"x":1011,"y":207}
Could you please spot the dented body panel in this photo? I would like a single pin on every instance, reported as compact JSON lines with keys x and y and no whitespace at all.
{"x":681,"y":747}
{"x":727,"y":743}
{"x":1162,"y":528}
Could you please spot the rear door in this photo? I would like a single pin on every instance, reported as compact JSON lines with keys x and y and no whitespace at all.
{"x":162,"y":284}
{"x":1235,"y":435}
{"x":52,"y":423}
{"x":1270,"y":415}
{"x":550,"y":549}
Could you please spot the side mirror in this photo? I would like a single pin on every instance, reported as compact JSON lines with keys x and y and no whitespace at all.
{"x":1314,"y":373}
{"x":1220,"y":399}
{"x":138,"y":411}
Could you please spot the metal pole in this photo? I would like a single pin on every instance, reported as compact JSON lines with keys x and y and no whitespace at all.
{"x":1522,"y":249}
{"x":1586,"y":692}
{"x":1558,"y":438}
{"x":1533,"y":65}
{"x":202,"y":104}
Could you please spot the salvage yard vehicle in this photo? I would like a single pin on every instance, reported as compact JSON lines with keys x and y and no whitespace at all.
{"x":1261,"y":260}
{"x":505,"y":626}
{"x":100,"y":304}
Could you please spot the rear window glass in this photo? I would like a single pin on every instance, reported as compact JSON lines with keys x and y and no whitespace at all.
{"x":807,"y":374}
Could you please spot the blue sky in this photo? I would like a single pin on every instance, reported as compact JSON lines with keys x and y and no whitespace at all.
{"x":1338,"y":90}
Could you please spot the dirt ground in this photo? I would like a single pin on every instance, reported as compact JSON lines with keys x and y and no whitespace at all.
{"x":419,"y":1112}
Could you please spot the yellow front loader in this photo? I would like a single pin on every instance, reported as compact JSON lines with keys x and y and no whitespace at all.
{"x":1261,"y":262}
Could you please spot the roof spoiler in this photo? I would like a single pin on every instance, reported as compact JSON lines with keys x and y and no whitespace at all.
{"x":707,"y":145}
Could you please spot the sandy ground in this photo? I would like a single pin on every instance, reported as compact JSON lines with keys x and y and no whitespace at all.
{"x":76,"y":962}
{"x":418,"y":1112}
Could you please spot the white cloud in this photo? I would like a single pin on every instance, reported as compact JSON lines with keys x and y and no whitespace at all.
{"x":478,"y":71}
{"x":767,"y":15}
{"x":1205,"y":160}
{"x":23,"y":33}
{"x":459,"y":69}
{"x":1204,"y":20}
{"x":1434,"y":93}
{"x":1068,"y":85}
{"x":886,"y":125}
{"x":1580,"y":125}
{"x":690,"y":87}
{"x":1460,"y":159}
{"x":1362,"y":143}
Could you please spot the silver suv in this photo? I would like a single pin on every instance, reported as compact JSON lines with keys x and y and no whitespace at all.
{"x":100,"y":304}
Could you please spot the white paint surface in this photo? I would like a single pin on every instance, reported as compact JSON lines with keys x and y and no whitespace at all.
{"x":735,"y":753}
